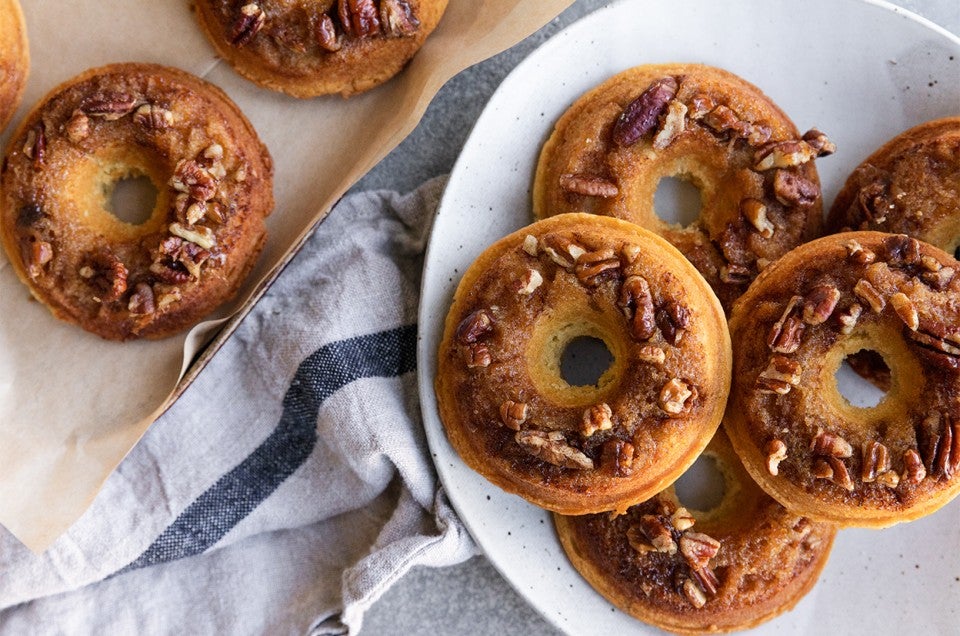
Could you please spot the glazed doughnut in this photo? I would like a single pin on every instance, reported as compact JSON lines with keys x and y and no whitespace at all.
{"x":910,"y":185}
{"x":759,"y":188}
{"x":506,"y":407}
{"x":743,"y":562}
{"x":14,"y":59}
{"x":123,"y":280}
{"x":306,"y":49}
{"x":799,"y":438}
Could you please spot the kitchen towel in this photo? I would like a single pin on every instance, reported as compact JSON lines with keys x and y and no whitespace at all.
{"x":290,"y":485}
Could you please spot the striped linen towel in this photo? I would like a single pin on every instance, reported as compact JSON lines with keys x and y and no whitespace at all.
{"x":290,"y":485}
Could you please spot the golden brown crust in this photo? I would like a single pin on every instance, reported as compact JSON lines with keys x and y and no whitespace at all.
{"x":578,"y":449}
{"x":117,"y":279}
{"x":910,"y":185}
{"x":14,"y":59}
{"x":792,"y":329}
{"x":307,"y":49}
{"x":759,"y":188}
{"x":744,"y":562}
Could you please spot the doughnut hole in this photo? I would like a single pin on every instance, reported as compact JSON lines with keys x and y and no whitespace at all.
{"x":863,"y":378}
{"x":677,"y":201}
{"x":703,"y":486}
{"x":132,"y":198}
{"x":584,"y":361}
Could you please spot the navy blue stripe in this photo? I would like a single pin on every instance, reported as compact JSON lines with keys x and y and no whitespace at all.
{"x":240,"y":491}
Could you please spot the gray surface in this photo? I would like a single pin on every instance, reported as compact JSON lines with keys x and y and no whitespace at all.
{"x":472,"y":598}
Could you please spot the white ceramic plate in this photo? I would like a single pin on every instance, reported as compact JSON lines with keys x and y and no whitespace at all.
{"x":862,"y":72}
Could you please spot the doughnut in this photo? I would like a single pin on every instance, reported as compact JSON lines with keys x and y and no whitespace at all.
{"x":122,"y":280}
{"x":759,"y":189}
{"x":14,"y":59}
{"x":307,"y":49}
{"x":734,"y":566}
{"x":574,"y":449}
{"x":799,"y":438}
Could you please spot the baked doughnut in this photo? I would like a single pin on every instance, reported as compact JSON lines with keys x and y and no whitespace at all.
{"x":318,"y":48}
{"x":14,"y":59}
{"x":743,"y":562}
{"x":758,"y":186}
{"x":801,"y":440}
{"x":512,"y":416}
{"x":124,"y":280}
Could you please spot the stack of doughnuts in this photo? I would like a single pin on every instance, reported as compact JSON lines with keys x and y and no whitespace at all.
{"x":800,"y":461}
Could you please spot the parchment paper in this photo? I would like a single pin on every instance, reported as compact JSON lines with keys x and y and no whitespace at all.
{"x":71,"y":404}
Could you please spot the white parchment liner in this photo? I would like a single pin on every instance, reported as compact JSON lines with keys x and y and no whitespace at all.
{"x":71,"y":404}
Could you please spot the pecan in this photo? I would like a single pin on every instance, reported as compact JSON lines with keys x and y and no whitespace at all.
{"x":359,"y":18}
{"x":178,"y":260}
{"x":935,"y":342}
{"x":589,"y":185}
{"x":398,"y":18}
{"x":201,"y":236}
{"x":940,"y":445}
{"x":781,"y":375}
{"x":848,"y":318}
{"x":825,"y":443}
{"x":930,"y":264}
{"x":477,"y":355}
{"x":166,"y":296}
{"x":794,"y":189}
{"x":939,"y":279}
{"x":192,"y":178}
{"x":36,"y":254}
{"x":530,"y":245}
{"x":77,"y":127}
{"x":876,"y":461}
{"x":902,"y":248}
{"x":141,"y":300}
{"x":888,"y":478}
{"x":531,"y":280}
{"x":785,"y":334}
{"x":638,"y":540}
{"x":35,"y":146}
{"x":734,"y":274}
{"x":906,"y":310}
{"x":698,"y":548}
{"x":870,"y":295}
{"x":694,"y":595}
{"x":153,"y":117}
{"x":618,"y":456}
{"x":913,"y":470}
{"x":652,"y":354}
{"x":513,"y":414}
{"x":784,"y":154}
{"x":819,"y":304}
{"x":553,"y":448}
{"x":674,"y":396}
{"x":562,"y":251}
{"x":756,"y":212}
{"x":819,"y":142}
{"x":106,"y":274}
{"x":833,"y":469}
{"x":327,"y":36}
{"x":776,"y":453}
{"x":673,"y":319}
{"x":641,"y":115}
{"x":637,"y":303}
{"x":658,"y":533}
{"x":594,"y":267}
{"x":699,"y":106}
{"x":474,"y":327}
{"x":247,"y":24}
{"x":596,"y":418}
{"x":859,"y":255}
{"x":673,"y":124}
{"x":721,"y":118}
{"x":195,"y":212}
{"x":629,"y":254}
{"x":682,"y":519}
{"x":109,"y":106}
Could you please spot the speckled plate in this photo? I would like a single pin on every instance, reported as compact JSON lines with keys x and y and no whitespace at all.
{"x":862,"y":72}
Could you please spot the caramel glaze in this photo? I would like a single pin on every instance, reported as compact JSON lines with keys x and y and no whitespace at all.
{"x":14,"y":59}
{"x":766,"y":561}
{"x":117,"y":279}
{"x":277,"y":44}
{"x":644,"y":447}
{"x":729,"y":125}
{"x":854,"y":466}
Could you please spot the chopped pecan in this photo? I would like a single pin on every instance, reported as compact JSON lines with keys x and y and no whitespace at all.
{"x":194,"y":212}
{"x":326,"y":33}
{"x":398,"y":18}
{"x":785,"y":334}
{"x":692,"y":592}
{"x":858,"y":254}
{"x":247,"y":24}
{"x":637,"y":303}
{"x":513,"y":414}
{"x":153,"y":117}
{"x":937,"y":343}
{"x":596,"y":418}
{"x":594,"y":267}
{"x":699,"y":106}
{"x":939,"y":279}
{"x":833,"y":469}
{"x":781,"y":375}
{"x":192,"y":178}
{"x":939,"y":439}
{"x":673,"y":124}
{"x":106,"y":274}
{"x":906,"y":310}
{"x":682,"y":520}
{"x":658,"y":533}
{"x":109,"y":106}
{"x":756,"y":212}
{"x":35,"y":146}
{"x":199,"y":235}
{"x":552,"y":447}
{"x":529,"y":282}
{"x":888,"y":478}
{"x":930,"y":264}
{"x":825,"y":443}
{"x":359,"y":18}
{"x":477,"y":355}
{"x":589,"y":185}
{"x":698,"y":548}
{"x":734,"y":274}
{"x":913,"y":470}
{"x":618,"y":455}
{"x":784,"y":154}
{"x":866,"y":292}
{"x":901,"y":248}
{"x":674,"y":396}
{"x":178,"y":260}
{"x":629,"y":254}
{"x":848,"y":318}
{"x":818,"y":305}
{"x":819,"y":142}
{"x":474,"y":327}
{"x":641,"y":115}
{"x":77,"y":127}
{"x":776,"y":453}
{"x":638,"y":540}
{"x":721,"y":118}
{"x":141,"y":300}
{"x":876,"y":461}
{"x":793,"y":189}
{"x":530,"y":245}
{"x":673,"y":319}
{"x":562,"y":251}
{"x":652,"y":354}
{"x":36,"y":254}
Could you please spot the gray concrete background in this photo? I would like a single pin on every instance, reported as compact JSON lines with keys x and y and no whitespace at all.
{"x":472,"y":598}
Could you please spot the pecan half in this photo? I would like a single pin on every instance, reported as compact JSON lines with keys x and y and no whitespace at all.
{"x":673,"y":319}
{"x":106,"y":274}
{"x":326,"y":33}
{"x":474,"y":327}
{"x":153,"y":117}
{"x":818,"y":305}
{"x":594,"y":267}
{"x":939,"y":438}
{"x":513,"y":414}
{"x":906,"y":310}
{"x":192,"y":178}
{"x":109,"y":106}
{"x":674,"y":396}
{"x":792,"y":188}
{"x":641,"y":115}
{"x":398,"y":18}
{"x":913,"y":470}
{"x":359,"y":18}
{"x":618,"y":455}
{"x":776,"y":452}
{"x":552,"y":447}
{"x":938,"y":343}
{"x":589,"y":185}
{"x":596,"y":418}
{"x":866,"y":292}
{"x":247,"y":24}
{"x":876,"y":461}
{"x":637,"y":303}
